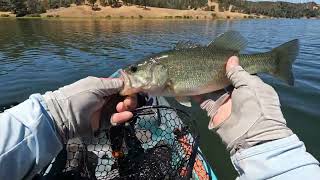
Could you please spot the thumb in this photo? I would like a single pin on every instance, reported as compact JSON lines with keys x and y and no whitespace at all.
{"x":238,"y":76}
{"x":231,"y":63}
{"x":111,"y":85}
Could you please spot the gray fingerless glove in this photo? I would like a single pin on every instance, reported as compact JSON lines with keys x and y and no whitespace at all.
{"x":74,"y":107}
{"x":255,"y":117}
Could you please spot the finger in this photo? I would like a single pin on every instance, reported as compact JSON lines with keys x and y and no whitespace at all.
{"x":122,"y":117}
{"x":130,"y":103}
{"x":120,"y":107}
{"x":232,"y":62}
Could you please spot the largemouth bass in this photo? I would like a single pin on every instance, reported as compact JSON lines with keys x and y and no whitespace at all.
{"x":190,"y":69}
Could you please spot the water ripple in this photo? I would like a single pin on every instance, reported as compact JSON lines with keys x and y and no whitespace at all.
{"x":41,"y":55}
{"x":70,"y":49}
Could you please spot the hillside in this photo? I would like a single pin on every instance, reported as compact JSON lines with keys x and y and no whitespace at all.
{"x":160,"y":8}
{"x":24,"y":7}
{"x":186,"y":9}
{"x":126,"y":12}
{"x":273,"y":9}
{"x":133,"y":12}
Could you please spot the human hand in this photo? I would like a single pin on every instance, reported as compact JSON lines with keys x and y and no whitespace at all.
{"x":76,"y":108}
{"x":251,"y":116}
{"x":124,"y":109}
{"x":224,"y":111}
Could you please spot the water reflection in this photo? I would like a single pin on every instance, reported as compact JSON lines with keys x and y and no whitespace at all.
{"x":41,"y":55}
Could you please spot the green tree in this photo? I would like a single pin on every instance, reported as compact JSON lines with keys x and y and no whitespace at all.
{"x":103,"y":2}
{"x":92,"y":2}
{"x":45,"y":4}
{"x":79,"y":2}
{"x":173,"y":4}
{"x":5,"y":5}
{"x":19,"y":7}
{"x":54,"y":4}
{"x":273,"y":9}
{"x":145,"y":3}
{"x":114,"y":3}
{"x":32,"y":6}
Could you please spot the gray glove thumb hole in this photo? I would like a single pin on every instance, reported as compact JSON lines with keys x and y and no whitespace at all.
{"x":212,"y":107}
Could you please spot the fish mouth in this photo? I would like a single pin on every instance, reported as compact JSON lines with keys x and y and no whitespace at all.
{"x":127,"y":87}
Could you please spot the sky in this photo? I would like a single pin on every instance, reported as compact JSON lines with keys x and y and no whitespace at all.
{"x":294,"y":1}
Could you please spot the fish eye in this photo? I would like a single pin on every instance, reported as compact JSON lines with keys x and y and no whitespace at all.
{"x":133,"y":68}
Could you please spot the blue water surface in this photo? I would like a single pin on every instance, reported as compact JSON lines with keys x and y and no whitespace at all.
{"x":40,"y":55}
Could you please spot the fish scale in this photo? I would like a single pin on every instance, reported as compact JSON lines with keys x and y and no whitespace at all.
{"x":195,"y":70}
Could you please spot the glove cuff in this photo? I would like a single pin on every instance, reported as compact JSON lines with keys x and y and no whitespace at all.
{"x":54,"y":109}
{"x":261,"y":132}
{"x":237,"y":133}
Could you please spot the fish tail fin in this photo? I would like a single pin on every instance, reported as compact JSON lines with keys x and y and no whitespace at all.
{"x":285,"y":56}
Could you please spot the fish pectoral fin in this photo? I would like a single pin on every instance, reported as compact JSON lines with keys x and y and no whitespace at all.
{"x":185,"y":101}
{"x":230,"y":40}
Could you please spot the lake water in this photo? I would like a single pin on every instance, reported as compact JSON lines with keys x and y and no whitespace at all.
{"x":41,"y":55}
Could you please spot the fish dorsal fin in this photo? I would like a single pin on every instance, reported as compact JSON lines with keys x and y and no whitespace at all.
{"x":230,"y":40}
{"x":186,"y":45}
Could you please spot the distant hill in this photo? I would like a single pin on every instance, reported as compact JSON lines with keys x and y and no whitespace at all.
{"x":266,"y":8}
{"x":24,"y":7}
{"x":273,"y":9}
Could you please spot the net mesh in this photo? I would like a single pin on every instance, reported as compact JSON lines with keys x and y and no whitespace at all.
{"x":159,"y":143}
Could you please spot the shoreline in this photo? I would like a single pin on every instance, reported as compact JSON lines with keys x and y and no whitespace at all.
{"x":133,"y":12}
